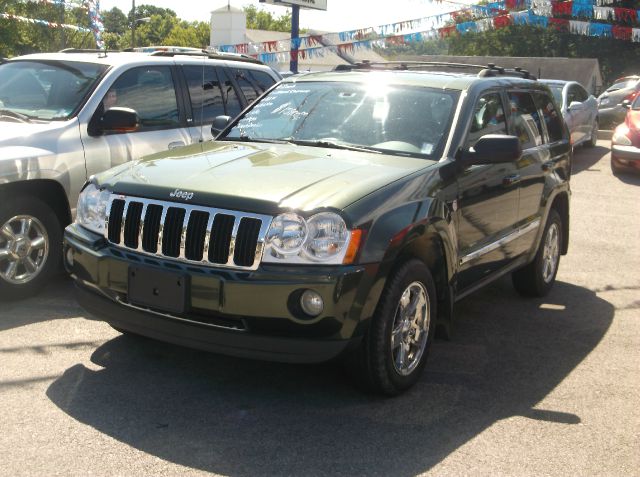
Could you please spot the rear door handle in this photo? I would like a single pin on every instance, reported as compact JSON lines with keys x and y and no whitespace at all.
{"x":174,"y":144}
{"x":511,"y":180}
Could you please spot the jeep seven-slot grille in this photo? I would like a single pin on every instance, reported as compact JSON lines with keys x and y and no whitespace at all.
{"x":188,"y":233}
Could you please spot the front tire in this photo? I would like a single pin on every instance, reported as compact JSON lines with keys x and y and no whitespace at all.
{"x":30,"y":246}
{"x":394,"y":351}
{"x":537,"y":278}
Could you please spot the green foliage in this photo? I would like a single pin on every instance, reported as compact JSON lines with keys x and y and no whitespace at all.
{"x":115,"y":21}
{"x":258,"y":19}
{"x":19,"y":38}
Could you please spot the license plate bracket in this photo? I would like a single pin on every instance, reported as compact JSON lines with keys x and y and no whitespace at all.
{"x":159,"y":290}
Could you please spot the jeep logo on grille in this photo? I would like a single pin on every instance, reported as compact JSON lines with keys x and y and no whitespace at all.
{"x":181,"y":194}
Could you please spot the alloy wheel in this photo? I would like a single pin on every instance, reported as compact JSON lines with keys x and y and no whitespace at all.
{"x":410,"y":329}
{"x":551,"y":253}
{"x":24,"y":248}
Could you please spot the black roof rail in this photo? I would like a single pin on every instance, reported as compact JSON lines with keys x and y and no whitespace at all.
{"x":485,"y":70}
{"x":401,"y":65}
{"x":211,"y":55}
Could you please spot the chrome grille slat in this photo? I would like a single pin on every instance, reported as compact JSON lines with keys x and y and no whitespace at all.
{"x":143,"y":217}
{"x":220,"y":242}
{"x":124,"y":215}
{"x":183,"y":234}
{"x":232,"y":242}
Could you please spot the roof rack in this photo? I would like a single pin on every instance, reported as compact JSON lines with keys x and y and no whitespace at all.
{"x":485,"y":70}
{"x":86,"y":50}
{"x":219,"y":55}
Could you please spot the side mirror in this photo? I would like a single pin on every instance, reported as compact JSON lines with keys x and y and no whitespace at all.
{"x":119,"y":120}
{"x":626,"y":104}
{"x":493,"y":149}
{"x":219,"y":123}
{"x":576,"y":106}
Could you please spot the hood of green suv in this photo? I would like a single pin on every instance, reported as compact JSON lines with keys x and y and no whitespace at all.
{"x":228,"y":174}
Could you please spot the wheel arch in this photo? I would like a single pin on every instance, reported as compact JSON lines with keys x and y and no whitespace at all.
{"x":49,"y":191}
{"x":427,"y":242}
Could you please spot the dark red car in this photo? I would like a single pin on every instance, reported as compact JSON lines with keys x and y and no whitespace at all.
{"x":625,"y":143}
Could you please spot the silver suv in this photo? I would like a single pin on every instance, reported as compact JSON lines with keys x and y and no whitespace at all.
{"x":66,"y":116}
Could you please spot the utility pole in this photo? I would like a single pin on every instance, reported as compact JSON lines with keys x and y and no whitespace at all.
{"x":295,"y":35}
{"x":62,"y":32}
{"x":133,"y":23}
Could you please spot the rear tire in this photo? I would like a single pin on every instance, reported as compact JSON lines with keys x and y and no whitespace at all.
{"x":537,"y":278}
{"x":30,"y":246}
{"x":394,"y":351}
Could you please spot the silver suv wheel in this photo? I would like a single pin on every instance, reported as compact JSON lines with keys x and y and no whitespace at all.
{"x":24,"y":248}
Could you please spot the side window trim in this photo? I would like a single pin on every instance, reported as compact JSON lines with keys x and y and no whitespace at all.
{"x":184,"y":95}
{"x":179,"y":87}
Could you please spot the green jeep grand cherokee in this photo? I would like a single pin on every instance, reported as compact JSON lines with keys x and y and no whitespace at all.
{"x":342,"y":214}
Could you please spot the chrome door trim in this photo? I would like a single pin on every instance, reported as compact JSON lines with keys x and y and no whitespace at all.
{"x":519,"y":232}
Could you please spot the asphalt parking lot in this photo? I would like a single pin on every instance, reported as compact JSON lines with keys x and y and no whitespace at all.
{"x":526,"y":387}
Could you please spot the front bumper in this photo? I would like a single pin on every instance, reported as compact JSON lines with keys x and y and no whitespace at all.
{"x":251,"y":314}
{"x":625,"y":157}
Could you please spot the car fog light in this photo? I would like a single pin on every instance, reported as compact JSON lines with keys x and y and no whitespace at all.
{"x":311,"y":303}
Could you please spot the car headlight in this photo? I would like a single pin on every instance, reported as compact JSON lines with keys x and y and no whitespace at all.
{"x":620,"y":136}
{"x":92,"y":209}
{"x":323,"y":238}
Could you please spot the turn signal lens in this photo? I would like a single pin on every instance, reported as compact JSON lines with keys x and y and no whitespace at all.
{"x":354,"y":246}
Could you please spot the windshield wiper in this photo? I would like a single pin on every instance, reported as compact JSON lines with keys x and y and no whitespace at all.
{"x":254,"y":139}
{"x":8,"y":113}
{"x":334,"y":145}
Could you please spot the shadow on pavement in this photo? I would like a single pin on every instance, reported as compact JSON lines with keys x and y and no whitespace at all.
{"x":54,"y":302}
{"x":632,"y":178}
{"x":243,"y":418}
{"x":584,"y":158}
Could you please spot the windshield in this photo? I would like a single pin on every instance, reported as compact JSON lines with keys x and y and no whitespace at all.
{"x":622,"y":85}
{"x":404,"y":120}
{"x":45,"y":90}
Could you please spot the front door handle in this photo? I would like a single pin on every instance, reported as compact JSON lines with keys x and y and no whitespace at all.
{"x":174,"y":144}
{"x":513,"y":179}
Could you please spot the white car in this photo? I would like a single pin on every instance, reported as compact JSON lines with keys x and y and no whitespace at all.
{"x":579,"y":110}
{"x":66,"y":116}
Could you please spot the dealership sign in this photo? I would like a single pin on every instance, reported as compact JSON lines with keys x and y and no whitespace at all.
{"x":312,"y":4}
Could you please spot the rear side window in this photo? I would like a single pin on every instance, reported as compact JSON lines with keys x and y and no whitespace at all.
{"x":229,"y":96}
{"x":525,"y":120}
{"x":488,"y":118}
{"x":150,"y":91}
{"x":552,"y":119}
{"x":205,"y":93}
{"x":252,"y":83}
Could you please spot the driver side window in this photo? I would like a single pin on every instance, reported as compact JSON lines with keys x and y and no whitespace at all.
{"x":488,"y":118}
{"x":148,"y":90}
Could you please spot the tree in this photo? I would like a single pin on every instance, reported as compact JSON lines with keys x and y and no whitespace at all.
{"x":115,"y":21}
{"x":258,"y":19}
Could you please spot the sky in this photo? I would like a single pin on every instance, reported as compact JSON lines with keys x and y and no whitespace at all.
{"x":341,"y":15}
